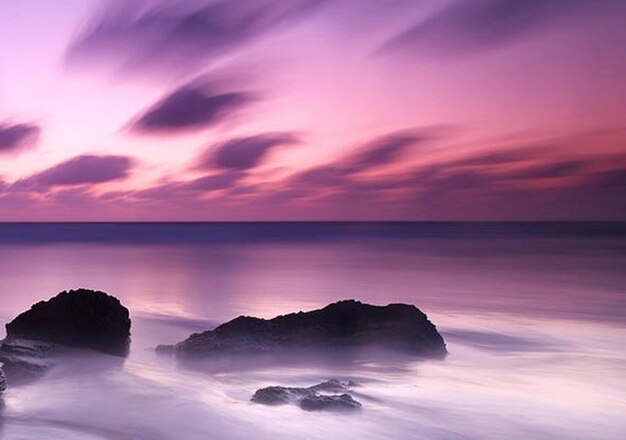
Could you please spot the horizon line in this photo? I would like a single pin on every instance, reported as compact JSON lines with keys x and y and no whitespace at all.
{"x":294,"y":221}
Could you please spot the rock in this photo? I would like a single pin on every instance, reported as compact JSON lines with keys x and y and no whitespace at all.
{"x":277,"y":395}
{"x":3,"y":383}
{"x":313,"y":398}
{"x":319,"y":402}
{"x":76,"y":318}
{"x":340,"y":326}
{"x":332,"y":386}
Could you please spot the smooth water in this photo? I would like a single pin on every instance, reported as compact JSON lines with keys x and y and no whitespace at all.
{"x":534,"y":316}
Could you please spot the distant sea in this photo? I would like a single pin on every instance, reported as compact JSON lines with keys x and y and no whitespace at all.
{"x":218,"y":232}
{"x":534,"y":315}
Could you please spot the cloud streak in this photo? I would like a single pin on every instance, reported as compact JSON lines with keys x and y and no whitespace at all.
{"x":190,"y":107}
{"x":189,"y":191}
{"x":17,"y":137}
{"x":180,"y":36}
{"x":523,"y":187}
{"x":524,"y":180}
{"x":81,"y":170}
{"x":480,"y":25}
{"x":375,"y":154}
{"x":244,"y":153}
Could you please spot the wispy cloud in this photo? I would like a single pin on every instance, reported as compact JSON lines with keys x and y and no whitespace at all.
{"x":180,"y":36}
{"x":376,"y":153}
{"x":80,"y":170}
{"x":189,"y":107}
{"x":244,"y":153}
{"x":470,"y":26}
{"x":17,"y":137}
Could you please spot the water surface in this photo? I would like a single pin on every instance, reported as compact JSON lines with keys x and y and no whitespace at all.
{"x":533,"y":314}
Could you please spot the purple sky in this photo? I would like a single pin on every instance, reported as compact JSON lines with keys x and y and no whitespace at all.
{"x":312,"y":110}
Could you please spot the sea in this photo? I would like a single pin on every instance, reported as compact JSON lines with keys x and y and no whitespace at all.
{"x":533,"y":315}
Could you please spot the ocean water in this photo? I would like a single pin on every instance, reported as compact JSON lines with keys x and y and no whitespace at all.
{"x":534,"y":316}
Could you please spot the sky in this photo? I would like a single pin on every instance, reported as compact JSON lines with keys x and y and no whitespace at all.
{"x":209,"y":110}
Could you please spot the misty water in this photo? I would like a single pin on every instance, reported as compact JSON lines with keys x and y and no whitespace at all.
{"x":534,"y":316}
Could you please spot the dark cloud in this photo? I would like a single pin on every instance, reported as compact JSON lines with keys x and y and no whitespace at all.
{"x":608,"y":181}
{"x":189,"y":107}
{"x":80,"y":170}
{"x":482,"y":24}
{"x":550,"y":170}
{"x":180,"y":35}
{"x":342,"y":175}
{"x":76,"y":197}
{"x":381,"y":151}
{"x":375,"y":154}
{"x":165,"y":191}
{"x":458,"y":180}
{"x":499,"y":157}
{"x":522,"y":161}
{"x":451,"y":176}
{"x":326,"y":175}
{"x":537,"y":172}
{"x":244,"y":153}
{"x":214,"y":182}
{"x":189,"y":190}
{"x":15,"y":137}
{"x":564,"y":179}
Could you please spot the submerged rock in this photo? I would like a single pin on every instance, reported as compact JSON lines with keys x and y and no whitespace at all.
{"x":76,"y":318}
{"x":342,"y":325}
{"x":312,"y":398}
{"x":25,"y":360}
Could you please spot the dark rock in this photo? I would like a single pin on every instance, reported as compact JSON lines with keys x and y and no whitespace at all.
{"x":313,"y":398}
{"x":342,"y":325}
{"x":319,"y":402}
{"x":76,"y":318}
{"x":277,"y":395}
{"x":332,"y":386}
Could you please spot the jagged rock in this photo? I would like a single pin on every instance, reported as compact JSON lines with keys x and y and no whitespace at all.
{"x":77,"y":318}
{"x":319,"y":402}
{"x":277,"y":395}
{"x":332,"y":386}
{"x":342,"y":325}
{"x":313,"y":398}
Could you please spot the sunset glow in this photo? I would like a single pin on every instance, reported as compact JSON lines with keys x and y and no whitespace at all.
{"x":316,"y":110}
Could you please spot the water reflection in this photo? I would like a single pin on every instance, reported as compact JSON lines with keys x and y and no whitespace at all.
{"x":218,"y":282}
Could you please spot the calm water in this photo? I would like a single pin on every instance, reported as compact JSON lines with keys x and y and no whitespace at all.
{"x":534,"y":316}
